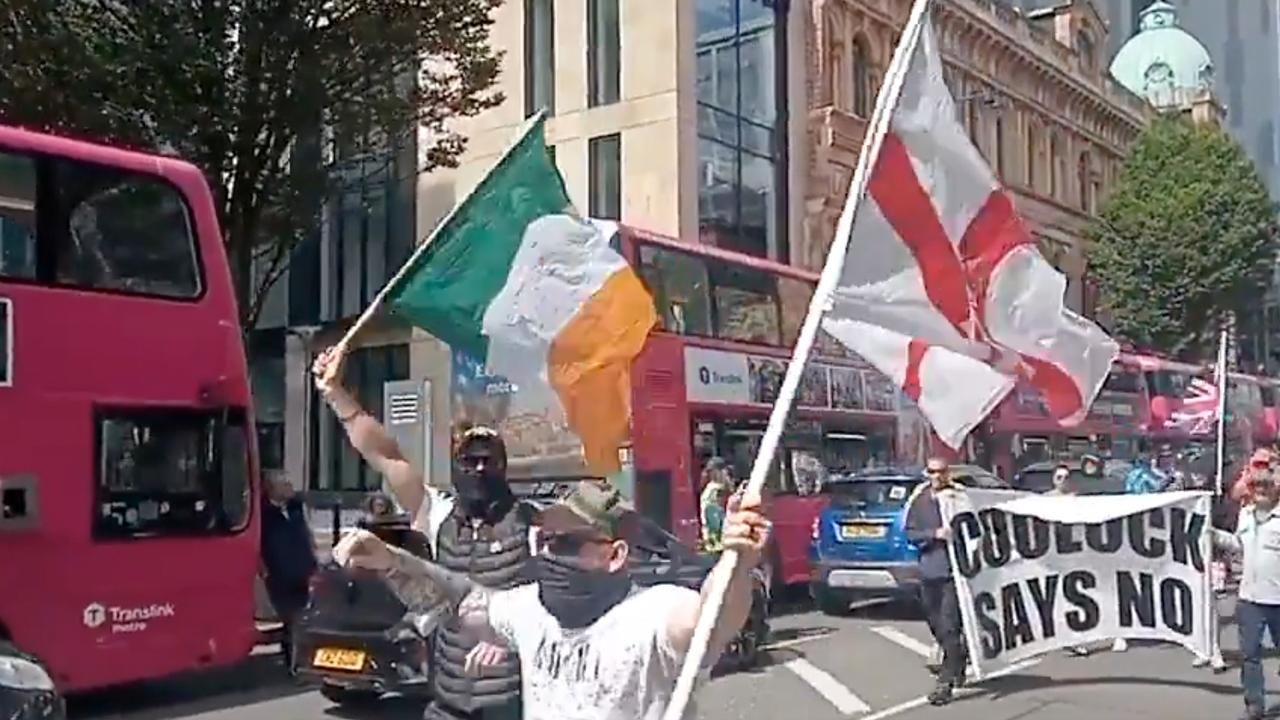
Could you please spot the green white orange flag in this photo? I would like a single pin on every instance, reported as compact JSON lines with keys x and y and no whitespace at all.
{"x":517,"y":278}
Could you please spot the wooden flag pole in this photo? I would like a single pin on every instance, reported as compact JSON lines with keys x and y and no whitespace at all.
{"x":381,"y":297}
{"x":827,"y":282}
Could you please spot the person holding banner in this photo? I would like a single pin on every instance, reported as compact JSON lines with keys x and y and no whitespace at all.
{"x":1257,"y":541}
{"x":1062,"y":487}
{"x":926,"y":530}
{"x":591,"y":645}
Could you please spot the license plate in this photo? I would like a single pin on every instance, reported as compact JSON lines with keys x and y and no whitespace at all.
{"x":339,"y":659}
{"x":863,"y":532}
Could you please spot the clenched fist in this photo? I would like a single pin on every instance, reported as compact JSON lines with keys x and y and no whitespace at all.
{"x":364,"y":550}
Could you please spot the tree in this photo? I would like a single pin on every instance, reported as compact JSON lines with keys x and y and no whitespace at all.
{"x":1187,"y":237}
{"x":258,"y":93}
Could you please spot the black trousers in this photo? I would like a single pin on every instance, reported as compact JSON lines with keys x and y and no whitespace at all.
{"x":942,"y":609}
{"x":289,"y":600}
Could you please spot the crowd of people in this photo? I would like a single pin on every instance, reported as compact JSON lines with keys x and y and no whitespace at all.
{"x":542,"y":618}
{"x":543,"y":621}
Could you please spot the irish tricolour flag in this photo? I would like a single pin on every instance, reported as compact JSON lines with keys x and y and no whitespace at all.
{"x":515,"y":276}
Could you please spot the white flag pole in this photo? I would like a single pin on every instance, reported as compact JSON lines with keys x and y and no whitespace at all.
{"x":831,"y":271}
{"x":1222,"y":410}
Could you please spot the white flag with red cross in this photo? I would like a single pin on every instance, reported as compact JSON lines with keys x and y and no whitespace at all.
{"x":943,"y":289}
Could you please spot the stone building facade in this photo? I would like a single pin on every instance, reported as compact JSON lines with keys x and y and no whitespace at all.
{"x":1035,"y":94}
{"x":728,"y":122}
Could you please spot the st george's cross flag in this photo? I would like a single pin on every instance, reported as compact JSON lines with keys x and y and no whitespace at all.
{"x":944,"y":289}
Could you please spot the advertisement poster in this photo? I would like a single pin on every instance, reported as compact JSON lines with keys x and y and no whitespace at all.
{"x":539,"y":441}
{"x":719,"y":377}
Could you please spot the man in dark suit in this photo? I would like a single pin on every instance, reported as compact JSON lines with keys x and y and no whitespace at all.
{"x":288,"y":556}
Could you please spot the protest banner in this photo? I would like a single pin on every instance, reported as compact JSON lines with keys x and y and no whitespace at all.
{"x":1037,"y":573}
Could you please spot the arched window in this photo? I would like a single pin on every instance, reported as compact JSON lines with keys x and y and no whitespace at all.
{"x":1084,"y":47}
{"x":1000,"y":153}
{"x":1032,"y":152}
{"x":835,"y":74}
{"x":861,"y":78}
{"x":1084,"y":177}
{"x":1055,"y":166}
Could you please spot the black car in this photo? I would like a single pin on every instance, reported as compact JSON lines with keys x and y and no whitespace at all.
{"x":356,"y":638}
{"x":26,"y":690}
{"x":1084,"y":480}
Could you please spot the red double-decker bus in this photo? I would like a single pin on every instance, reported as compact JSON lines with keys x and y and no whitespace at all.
{"x":1021,"y":431}
{"x":128,"y":538}
{"x":708,"y":377}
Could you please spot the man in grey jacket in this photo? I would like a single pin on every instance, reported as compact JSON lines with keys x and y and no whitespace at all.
{"x":926,"y":530}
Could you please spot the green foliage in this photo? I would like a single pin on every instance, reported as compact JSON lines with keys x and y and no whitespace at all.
{"x":246,"y":89}
{"x":1188,"y":235}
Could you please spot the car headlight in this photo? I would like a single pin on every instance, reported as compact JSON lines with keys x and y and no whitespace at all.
{"x":21,"y":674}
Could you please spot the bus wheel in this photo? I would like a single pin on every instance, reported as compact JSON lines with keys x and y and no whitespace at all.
{"x":347,"y":696}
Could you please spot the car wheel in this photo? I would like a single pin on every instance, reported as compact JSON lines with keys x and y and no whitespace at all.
{"x":830,"y":602}
{"x":347,"y":696}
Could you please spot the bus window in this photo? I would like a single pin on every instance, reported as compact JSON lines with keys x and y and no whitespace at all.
{"x":1122,"y":381}
{"x":100,"y":228}
{"x":1168,"y":383}
{"x":745,"y":302}
{"x":808,"y":472}
{"x":681,"y":292}
{"x":17,"y":217}
{"x":171,"y":473}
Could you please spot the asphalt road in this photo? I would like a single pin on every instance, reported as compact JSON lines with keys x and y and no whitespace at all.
{"x":867,"y":666}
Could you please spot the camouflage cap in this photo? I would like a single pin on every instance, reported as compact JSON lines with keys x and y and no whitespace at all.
{"x":596,"y":504}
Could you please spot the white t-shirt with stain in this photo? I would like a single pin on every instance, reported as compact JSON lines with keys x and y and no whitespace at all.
{"x":620,"y":668}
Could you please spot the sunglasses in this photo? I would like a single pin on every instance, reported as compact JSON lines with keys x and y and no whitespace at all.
{"x":569,"y":543}
{"x":936,"y":471}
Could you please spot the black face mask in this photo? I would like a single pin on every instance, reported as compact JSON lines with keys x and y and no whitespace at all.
{"x":480,"y":492}
{"x":577,"y":596}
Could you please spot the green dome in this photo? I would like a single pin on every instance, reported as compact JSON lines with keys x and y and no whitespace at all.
{"x":1162,"y":58}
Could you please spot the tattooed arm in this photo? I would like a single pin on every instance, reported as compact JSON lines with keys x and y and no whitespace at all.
{"x":424,"y":586}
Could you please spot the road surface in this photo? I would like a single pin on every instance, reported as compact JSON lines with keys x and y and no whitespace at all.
{"x":866,"y":666}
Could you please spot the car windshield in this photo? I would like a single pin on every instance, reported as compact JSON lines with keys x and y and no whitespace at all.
{"x":879,"y":492}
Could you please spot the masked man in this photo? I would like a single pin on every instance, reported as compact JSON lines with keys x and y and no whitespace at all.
{"x":485,"y":537}
{"x":591,"y":645}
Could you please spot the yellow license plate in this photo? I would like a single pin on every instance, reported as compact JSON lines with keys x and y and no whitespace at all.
{"x":863,"y":532}
{"x":339,"y":659}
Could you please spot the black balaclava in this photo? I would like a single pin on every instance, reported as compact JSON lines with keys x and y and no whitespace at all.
{"x":480,"y":474}
{"x":577,"y":596}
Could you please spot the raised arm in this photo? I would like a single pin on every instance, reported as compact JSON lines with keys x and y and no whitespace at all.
{"x":369,"y":437}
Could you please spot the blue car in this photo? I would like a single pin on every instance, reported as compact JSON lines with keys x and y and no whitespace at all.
{"x":860,"y":548}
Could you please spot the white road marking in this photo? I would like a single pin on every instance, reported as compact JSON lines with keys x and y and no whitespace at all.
{"x":828,"y":687}
{"x":797,"y":640}
{"x":868,"y":603}
{"x":962,"y":692}
{"x":897,"y":637}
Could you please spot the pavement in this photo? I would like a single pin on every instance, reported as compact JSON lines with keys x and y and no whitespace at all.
{"x":867,"y":665}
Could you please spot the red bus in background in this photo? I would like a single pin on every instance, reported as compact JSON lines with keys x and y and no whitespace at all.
{"x":708,"y":376}
{"x":129,"y":533}
{"x":1251,"y":404}
{"x":1021,"y":432}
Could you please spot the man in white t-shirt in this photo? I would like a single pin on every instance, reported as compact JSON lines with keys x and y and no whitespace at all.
{"x":591,"y":645}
